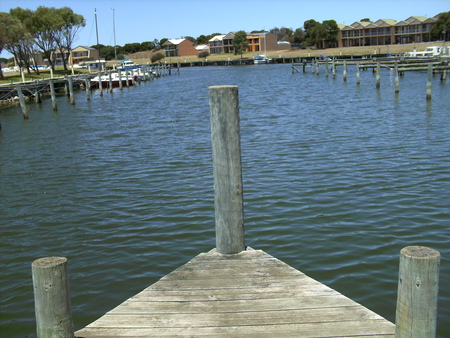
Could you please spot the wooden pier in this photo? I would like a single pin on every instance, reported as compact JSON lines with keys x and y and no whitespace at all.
{"x":249,"y":294}
{"x":235,"y":291}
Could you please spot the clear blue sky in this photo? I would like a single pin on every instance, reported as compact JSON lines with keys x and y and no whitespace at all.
{"x":146,"y":20}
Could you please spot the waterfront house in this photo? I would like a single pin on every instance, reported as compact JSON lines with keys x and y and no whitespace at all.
{"x":179,"y":47}
{"x":82,"y":54}
{"x":228,"y":43}
{"x":216,"y":44}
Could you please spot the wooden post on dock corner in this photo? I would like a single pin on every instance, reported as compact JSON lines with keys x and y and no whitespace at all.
{"x":444,"y":75}
{"x":52,"y":297}
{"x":22,"y":102}
{"x":52,"y":92}
{"x":416,"y":313}
{"x":227,"y":167}
{"x":430,"y":78}
{"x":87,"y":82}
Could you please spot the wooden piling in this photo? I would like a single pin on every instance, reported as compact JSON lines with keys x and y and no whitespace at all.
{"x":100,"y":84}
{"x":416,"y":312}
{"x":345,"y":71}
{"x":430,"y":78}
{"x":126,"y":78}
{"x":52,"y":297}
{"x":52,"y":92}
{"x":227,"y":168}
{"x":87,"y":82}
{"x":22,"y":102}
{"x":378,"y":76}
{"x":358,"y":74}
{"x":444,"y":75}
{"x":72,"y":97}
{"x":110,"y":82}
{"x":120,"y":79}
{"x":326,"y":68}
{"x":397,"y":87}
{"x":333,"y":69}
{"x":37,"y":92}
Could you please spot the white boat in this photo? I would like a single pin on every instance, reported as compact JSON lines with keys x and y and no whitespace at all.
{"x":430,"y":52}
{"x":128,"y":64}
{"x":261,"y":59}
{"x":115,"y":81}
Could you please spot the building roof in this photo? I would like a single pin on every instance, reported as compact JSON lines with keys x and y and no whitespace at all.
{"x":173,"y":42}
{"x":217,"y":38}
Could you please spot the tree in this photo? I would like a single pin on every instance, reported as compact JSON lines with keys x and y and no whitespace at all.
{"x":240,"y":42}
{"x":283,"y":33}
{"x":44,"y":24}
{"x":308,"y":25}
{"x":191,"y":39}
{"x":332,"y":33}
{"x":18,"y":41}
{"x":441,"y":28}
{"x":157,"y":57}
{"x":203,"y":54}
{"x":147,"y":45}
{"x":131,"y":47}
{"x":298,"y":36}
{"x":69,"y":25}
{"x":317,"y":36}
{"x":365,"y":20}
{"x":202,"y":40}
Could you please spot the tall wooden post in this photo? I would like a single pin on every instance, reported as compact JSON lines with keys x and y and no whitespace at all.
{"x":226,"y":149}
{"x":333,"y":69}
{"x":52,"y":297}
{"x":358,"y":74}
{"x":397,"y":87}
{"x":430,"y":78}
{"x":37,"y":92}
{"x":444,"y":75}
{"x":326,"y":68}
{"x":110,"y":82}
{"x":344,"y":72}
{"x":100,"y":84}
{"x":120,"y":79}
{"x":52,"y":91}
{"x":22,"y":102}
{"x":87,"y":82}
{"x":378,"y":76}
{"x":418,"y":280}
{"x":72,"y":97}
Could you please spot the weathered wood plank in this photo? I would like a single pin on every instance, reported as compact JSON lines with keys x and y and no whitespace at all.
{"x":250,"y":293}
{"x":328,"y":329}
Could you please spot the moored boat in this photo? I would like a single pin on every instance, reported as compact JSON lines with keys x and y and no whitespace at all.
{"x":115,"y":81}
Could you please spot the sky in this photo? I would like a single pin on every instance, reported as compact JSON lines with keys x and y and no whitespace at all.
{"x":146,"y":20}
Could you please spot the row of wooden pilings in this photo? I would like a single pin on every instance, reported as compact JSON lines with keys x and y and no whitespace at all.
{"x":398,"y":68}
{"x":144,"y":73}
{"x":416,"y":312}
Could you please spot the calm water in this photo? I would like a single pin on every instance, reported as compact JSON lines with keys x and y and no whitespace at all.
{"x":338,"y":178}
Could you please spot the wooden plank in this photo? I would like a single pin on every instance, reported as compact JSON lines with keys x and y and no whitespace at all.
{"x":250,"y":293}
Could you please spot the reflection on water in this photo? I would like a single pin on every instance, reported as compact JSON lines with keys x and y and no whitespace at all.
{"x":337,"y":179}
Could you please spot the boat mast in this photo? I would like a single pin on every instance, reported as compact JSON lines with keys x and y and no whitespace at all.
{"x":96,"y":30}
{"x":114,"y":30}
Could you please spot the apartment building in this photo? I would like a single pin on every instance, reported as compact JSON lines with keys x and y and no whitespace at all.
{"x":386,"y":32}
